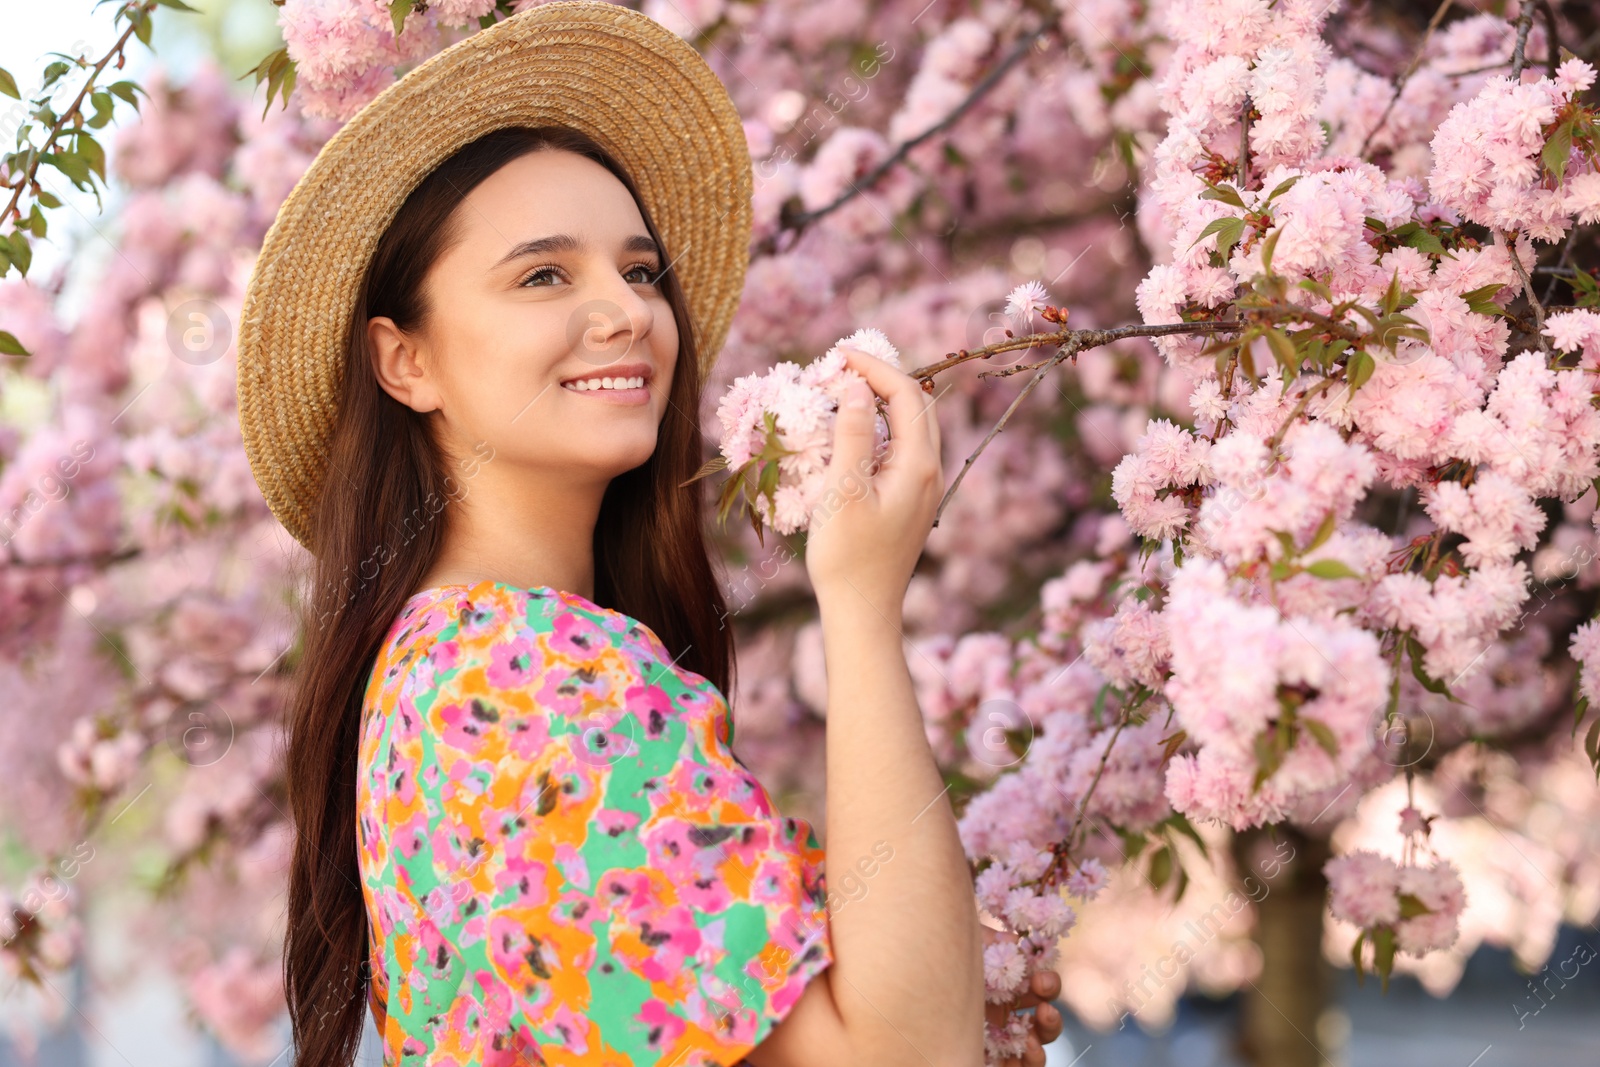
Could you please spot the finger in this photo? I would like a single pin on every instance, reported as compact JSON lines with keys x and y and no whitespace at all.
{"x":1034,"y":1055}
{"x":1047,"y":1023}
{"x":907,"y":401}
{"x":852,"y":439}
{"x":1047,"y":984}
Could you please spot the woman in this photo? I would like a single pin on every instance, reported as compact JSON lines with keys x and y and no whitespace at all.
{"x":522,"y":836}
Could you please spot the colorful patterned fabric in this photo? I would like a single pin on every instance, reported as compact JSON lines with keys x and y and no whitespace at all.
{"x":563,"y":861}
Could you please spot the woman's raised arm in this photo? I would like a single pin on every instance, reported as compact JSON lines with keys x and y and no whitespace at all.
{"x":906,"y":985}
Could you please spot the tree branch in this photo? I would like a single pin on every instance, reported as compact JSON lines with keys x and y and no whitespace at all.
{"x":1399,"y":86}
{"x":798,"y":222}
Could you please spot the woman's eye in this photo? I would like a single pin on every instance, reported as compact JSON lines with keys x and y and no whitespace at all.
{"x":541,"y":272}
{"x":648,"y":271}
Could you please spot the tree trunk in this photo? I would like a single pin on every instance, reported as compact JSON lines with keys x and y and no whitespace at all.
{"x":1281,"y":1008}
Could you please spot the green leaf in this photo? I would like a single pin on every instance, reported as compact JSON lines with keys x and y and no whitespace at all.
{"x":178,"y":5}
{"x":1424,"y":241}
{"x":91,"y":151}
{"x":128,"y":91}
{"x":1585,"y":288}
{"x":70,"y":164}
{"x":1312,"y":285}
{"x":1591,"y":745}
{"x":1268,"y":757}
{"x":19,"y":251}
{"x":48,"y":199}
{"x":1225,"y":193}
{"x":1558,"y":150}
{"x":142,"y":24}
{"x":1247,"y":359}
{"x":1324,"y":532}
{"x":1228,"y":230}
{"x":708,"y":468}
{"x":767,"y":482}
{"x":1268,"y":247}
{"x":1391,"y":295}
{"x":8,"y":85}
{"x":1481,"y":299}
{"x":286,"y":83}
{"x":1578,"y":711}
{"x":1322,"y":735}
{"x":1099,"y":707}
{"x":1330,"y":568}
{"x":1286,"y":539}
{"x":1283,"y":187}
{"x":1432,"y":685}
{"x":1171,"y":743}
{"x":398,"y":10}
{"x":53,"y":73}
{"x":10,"y":346}
{"x":35,"y":222}
{"x":1283,"y":349}
{"x":1359,"y":369}
{"x":1355,"y":957}
{"x":1383,"y":955}
{"x":102,"y":109}
{"x":1411,"y":907}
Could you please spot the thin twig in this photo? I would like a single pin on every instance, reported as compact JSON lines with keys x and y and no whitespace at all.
{"x":1553,"y":52}
{"x":1527,"y":287}
{"x":1524,"y":24}
{"x":1033,"y":383}
{"x":1087,"y":339}
{"x":1557,"y":272}
{"x":1227,"y":395}
{"x":1475,"y":70}
{"x":1305,"y":398}
{"x":28,"y":176}
{"x":1399,"y":86}
{"x":796,"y":223}
{"x":1243,"y":175}
{"x":1083,"y":805}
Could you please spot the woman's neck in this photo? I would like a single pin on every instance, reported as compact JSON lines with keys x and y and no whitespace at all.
{"x":514,"y":530}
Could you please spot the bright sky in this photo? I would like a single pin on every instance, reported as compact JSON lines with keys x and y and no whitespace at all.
{"x":80,"y":230}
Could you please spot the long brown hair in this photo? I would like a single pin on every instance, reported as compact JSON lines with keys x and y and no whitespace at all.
{"x":377,"y":530}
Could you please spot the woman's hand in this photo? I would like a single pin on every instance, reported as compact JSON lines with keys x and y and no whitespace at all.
{"x":1043,"y":987}
{"x":867,"y":531}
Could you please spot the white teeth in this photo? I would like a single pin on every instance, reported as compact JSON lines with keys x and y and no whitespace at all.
{"x":589,"y":384}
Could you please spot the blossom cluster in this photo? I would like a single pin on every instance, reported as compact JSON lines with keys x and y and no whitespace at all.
{"x":782,"y":422}
{"x":1416,"y":906}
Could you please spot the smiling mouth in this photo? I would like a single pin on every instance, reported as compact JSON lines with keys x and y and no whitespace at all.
{"x":589,"y":385}
{"x":619,"y":377}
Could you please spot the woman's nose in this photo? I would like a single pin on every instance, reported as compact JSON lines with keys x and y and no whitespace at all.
{"x":617,"y":308}
{"x":614,"y":308}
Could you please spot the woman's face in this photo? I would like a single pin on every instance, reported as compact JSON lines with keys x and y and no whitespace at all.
{"x":552,"y":279}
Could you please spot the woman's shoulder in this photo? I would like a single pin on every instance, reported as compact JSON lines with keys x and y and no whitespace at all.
{"x":528,"y":646}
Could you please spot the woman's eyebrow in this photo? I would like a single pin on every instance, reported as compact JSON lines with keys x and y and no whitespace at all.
{"x":565,"y":242}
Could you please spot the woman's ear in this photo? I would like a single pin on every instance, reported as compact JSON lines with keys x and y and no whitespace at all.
{"x":399,"y":364}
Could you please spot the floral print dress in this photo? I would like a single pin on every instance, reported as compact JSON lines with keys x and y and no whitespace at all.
{"x":562,"y":860}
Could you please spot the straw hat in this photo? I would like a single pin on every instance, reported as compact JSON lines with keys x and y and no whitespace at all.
{"x":638,"y":89}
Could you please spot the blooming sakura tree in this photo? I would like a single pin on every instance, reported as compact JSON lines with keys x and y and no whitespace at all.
{"x":1273,"y":605}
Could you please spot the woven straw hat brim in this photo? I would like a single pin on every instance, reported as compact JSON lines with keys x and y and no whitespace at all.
{"x":640,"y":90}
